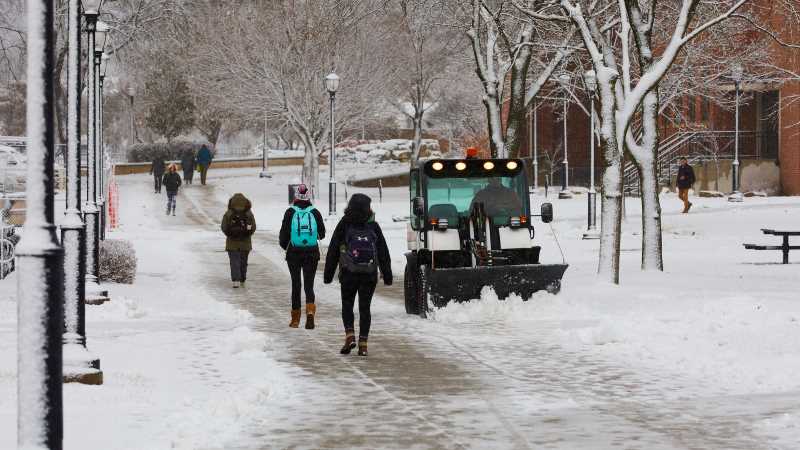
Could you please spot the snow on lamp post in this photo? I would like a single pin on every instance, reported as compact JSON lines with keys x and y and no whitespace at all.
{"x":79,"y":365}
{"x":564,"y":78}
{"x":332,"y":84}
{"x":94,"y":294}
{"x":591,"y":229}
{"x":40,"y":259}
{"x":736,"y":196}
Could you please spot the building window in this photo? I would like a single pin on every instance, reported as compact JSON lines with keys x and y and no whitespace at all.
{"x":691,"y":110}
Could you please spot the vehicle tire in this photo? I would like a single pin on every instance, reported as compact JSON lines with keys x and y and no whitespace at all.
{"x":553,"y":287}
{"x":422,"y":292}
{"x":410,"y":287}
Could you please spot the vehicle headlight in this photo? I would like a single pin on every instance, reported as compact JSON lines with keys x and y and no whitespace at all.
{"x":461,"y":165}
{"x":512,"y":165}
{"x":488,"y":165}
{"x":437,"y":166}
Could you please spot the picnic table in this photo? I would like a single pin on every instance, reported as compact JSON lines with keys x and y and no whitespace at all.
{"x":784,"y":247}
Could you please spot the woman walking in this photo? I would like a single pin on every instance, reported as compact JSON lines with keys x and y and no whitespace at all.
{"x":187,"y":164}
{"x":302,"y":227}
{"x":203,"y":160}
{"x":359,"y":250}
{"x":171,"y":182}
{"x":238,"y":224}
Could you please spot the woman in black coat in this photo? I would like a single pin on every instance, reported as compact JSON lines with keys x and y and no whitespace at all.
{"x":359,"y":250}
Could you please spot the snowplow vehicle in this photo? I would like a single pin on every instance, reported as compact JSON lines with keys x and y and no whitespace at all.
{"x":471,"y":226}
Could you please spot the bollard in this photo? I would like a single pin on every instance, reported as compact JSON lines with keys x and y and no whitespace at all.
{"x":380,"y":190}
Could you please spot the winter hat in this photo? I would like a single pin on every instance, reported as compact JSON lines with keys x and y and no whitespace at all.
{"x":302,"y":193}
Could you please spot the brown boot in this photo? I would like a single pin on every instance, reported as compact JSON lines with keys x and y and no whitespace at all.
{"x":311,"y":310}
{"x":295,"y":319}
{"x":349,"y":343}
{"x":362,"y":346}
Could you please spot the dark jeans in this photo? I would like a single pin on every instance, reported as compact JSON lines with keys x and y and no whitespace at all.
{"x":203,"y":173}
{"x":362,"y":285}
{"x":171,"y":201}
{"x":238,"y":265}
{"x":157,"y":180}
{"x":187,"y":176}
{"x":308,"y":266}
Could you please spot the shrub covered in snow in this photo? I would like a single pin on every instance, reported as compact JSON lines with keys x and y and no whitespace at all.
{"x":170,"y":152}
{"x":117,"y":261}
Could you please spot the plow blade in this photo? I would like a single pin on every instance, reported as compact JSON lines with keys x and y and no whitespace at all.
{"x":464,"y":284}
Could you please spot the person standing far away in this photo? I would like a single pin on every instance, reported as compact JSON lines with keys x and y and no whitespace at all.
{"x":238,"y":224}
{"x":187,"y":164}
{"x":204,"y":158}
{"x":359,"y":250}
{"x":171,"y":182}
{"x":685,"y":181}
{"x":157,"y":169}
{"x":301,"y":229}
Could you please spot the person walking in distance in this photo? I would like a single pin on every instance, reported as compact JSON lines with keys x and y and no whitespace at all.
{"x":171,"y":182}
{"x":685,"y":181}
{"x":359,"y":250}
{"x":157,"y":170}
{"x":187,"y":164}
{"x":302,"y":227}
{"x":238,"y":224}
{"x":204,"y":158}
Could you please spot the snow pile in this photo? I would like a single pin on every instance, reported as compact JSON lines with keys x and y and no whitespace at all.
{"x":491,"y":309}
{"x":392,"y":150}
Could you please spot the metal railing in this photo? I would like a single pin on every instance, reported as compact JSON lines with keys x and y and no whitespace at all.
{"x":699,"y":146}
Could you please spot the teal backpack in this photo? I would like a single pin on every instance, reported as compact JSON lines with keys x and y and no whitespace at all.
{"x":304,"y":228}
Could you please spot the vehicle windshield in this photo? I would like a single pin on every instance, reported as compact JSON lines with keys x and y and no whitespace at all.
{"x":500,"y":196}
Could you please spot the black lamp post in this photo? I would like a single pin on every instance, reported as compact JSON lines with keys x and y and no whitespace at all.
{"x":79,"y":365}
{"x":94,"y":294}
{"x":40,"y":259}
{"x":564,"y":78}
{"x":591,"y":229}
{"x":265,"y":152}
{"x":99,"y":61}
{"x":332,"y":84}
{"x":736,"y":196}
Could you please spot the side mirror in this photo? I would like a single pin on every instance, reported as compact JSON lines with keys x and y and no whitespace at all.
{"x":547,"y":212}
{"x":418,"y":206}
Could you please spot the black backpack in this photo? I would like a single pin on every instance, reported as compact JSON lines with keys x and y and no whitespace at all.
{"x":360,"y":250}
{"x":239,"y":226}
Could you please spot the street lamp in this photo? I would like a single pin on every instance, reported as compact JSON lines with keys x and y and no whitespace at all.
{"x":95,"y":33}
{"x":40,"y":257}
{"x":535,"y":144}
{"x":78,"y":364}
{"x":265,"y":151}
{"x":737,"y":73}
{"x":101,"y":139}
{"x":131,"y":94}
{"x":332,"y":84}
{"x":564,"y":78}
{"x":100,"y":65}
{"x":591,"y":230}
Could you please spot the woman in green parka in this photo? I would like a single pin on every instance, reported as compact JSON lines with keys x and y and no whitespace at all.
{"x":238,"y":224}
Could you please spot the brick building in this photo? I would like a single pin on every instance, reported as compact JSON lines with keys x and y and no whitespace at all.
{"x":769,"y":124}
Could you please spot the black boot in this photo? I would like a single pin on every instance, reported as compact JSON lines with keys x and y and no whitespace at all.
{"x":362,"y":346}
{"x":349,"y":343}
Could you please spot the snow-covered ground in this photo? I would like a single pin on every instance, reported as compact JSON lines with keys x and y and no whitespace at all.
{"x":704,"y":355}
{"x":182,"y":369}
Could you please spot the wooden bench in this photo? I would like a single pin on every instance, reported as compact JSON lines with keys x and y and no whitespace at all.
{"x":784,"y":247}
